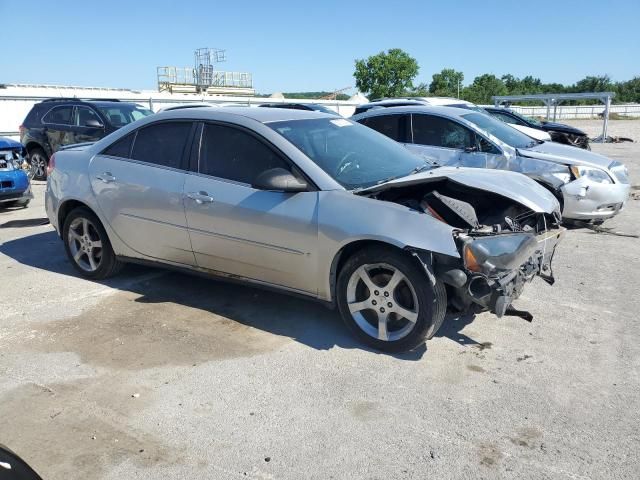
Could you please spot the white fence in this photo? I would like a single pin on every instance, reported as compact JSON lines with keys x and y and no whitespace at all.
{"x":564,"y":112}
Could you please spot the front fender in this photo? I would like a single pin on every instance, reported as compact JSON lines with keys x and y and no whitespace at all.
{"x":345,"y":218}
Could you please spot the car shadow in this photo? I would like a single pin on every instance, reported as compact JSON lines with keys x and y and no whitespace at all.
{"x":306,"y":321}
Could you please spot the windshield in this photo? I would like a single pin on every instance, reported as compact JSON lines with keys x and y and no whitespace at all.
{"x":121,"y":115}
{"x":500,"y":130}
{"x":526,"y":118}
{"x":352,"y":154}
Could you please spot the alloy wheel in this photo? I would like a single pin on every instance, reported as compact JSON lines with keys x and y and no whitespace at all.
{"x":85,"y":244}
{"x":382,"y":301}
{"x":38,"y":165}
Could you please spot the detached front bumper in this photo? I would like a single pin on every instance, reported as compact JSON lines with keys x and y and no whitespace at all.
{"x":477,"y":291}
{"x":585,"y":199}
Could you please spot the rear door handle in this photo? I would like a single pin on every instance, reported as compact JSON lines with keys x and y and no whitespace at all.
{"x":106,"y":177}
{"x":200,"y":197}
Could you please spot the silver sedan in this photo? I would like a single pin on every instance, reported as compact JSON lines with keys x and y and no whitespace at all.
{"x":590,"y":186}
{"x":310,"y":204}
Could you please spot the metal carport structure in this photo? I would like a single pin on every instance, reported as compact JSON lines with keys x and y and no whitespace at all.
{"x":555,"y":99}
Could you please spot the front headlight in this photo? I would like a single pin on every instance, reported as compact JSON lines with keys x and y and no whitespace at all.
{"x":593,"y":174}
{"x":498,"y":253}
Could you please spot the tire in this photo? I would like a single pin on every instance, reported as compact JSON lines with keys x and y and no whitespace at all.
{"x":82,"y":233}
{"x":38,"y":161}
{"x":19,"y":203}
{"x":412,"y":294}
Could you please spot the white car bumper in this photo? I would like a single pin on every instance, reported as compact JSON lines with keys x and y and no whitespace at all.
{"x":588,"y":200}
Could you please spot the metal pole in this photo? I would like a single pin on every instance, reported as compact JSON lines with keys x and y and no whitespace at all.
{"x":546,"y":102}
{"x":607,"y":104}
{"x":555,"y":109}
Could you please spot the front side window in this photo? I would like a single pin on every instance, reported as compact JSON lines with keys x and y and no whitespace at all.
{"x":84,"y":114}
{"x":353,"y":155}
{"x":233,"y":154}
{"x":440,"y":132}
{"x":59,"y":116}
{"x":502,"y":132}
{"x":392,"y":126}
{"x":121,"y":115}
{"x":162,"y":143}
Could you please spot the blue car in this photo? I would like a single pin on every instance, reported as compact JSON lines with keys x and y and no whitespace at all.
{"x":15,"y":187}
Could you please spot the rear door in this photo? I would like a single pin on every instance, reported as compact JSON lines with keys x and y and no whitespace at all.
{"x":138,"y":183}
{"x":267,"y":236}
{"x":58,"y":126}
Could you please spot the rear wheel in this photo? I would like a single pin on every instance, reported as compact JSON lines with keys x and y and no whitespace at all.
{"x":38,"y":162}
{"x":87,"y":245}
{"x":387,"y":300}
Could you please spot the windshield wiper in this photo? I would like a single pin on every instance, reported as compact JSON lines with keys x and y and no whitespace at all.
{"x":420,"y":168}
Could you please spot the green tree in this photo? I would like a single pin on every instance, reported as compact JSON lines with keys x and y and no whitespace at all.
{"x":387,"y":74}
{"x":483,"y":88}
{"x":600,"y":83}
{"x":447,"y":83}
{"x":628,"y":91}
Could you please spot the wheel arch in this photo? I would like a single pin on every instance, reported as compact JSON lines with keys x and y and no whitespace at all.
{"x":346,"y":251}
{"x":68,"y":206}
{"x":32,"y":144}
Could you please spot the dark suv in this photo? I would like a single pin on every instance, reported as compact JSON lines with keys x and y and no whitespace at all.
{"x":56,"y":122}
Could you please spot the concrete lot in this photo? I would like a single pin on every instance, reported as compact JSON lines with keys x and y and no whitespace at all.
{"x":162,"y":375}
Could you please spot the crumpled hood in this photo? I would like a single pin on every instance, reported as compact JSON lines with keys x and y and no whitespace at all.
{"x":561,"y":127}
{"x":8,"y":143}
{"x":512,"y":185}
{"x":565,"y":154}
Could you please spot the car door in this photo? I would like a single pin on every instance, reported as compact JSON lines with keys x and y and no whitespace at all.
{"x":58,"y":127}
{"x":138,"y":183}
{"x":268,"y":236}
{"x":88,"y":126}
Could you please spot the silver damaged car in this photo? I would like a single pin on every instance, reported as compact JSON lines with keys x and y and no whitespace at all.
{"x":310,"y":204}
{"x":590,"y":187}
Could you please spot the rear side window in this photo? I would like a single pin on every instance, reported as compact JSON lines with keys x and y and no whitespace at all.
{"x":393,"y":126}
{"x":162,"y":143}
{"x":58,"y":116}
{"x":121,"y":148}
{"x":233,"y":154}
{"x":440,"y":132}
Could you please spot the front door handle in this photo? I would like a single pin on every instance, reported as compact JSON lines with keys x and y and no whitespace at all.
{"x":200,"y":197}
{"x":106,"y":177}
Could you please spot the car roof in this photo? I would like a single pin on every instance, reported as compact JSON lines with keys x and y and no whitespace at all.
{"x":262,"y":115}
{"x":434,"y":109}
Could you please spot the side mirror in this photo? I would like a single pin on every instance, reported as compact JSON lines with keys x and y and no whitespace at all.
{"x":93,"y":123}
{"x":281,"y":180}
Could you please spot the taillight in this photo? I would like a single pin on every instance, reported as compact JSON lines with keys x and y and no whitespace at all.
{"x":51,"y":165}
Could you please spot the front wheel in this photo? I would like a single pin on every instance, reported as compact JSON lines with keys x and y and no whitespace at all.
{"x":88,"y":246}
{"x":387,"y":300}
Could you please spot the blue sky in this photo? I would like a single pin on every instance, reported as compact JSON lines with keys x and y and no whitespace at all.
{"x":303,"y":46}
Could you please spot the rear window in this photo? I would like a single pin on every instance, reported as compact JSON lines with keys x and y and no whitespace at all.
{"x":121,"y":148}
{"x":59,"y":115}
{"x":162,"y":143}
{"x":393,"y":126}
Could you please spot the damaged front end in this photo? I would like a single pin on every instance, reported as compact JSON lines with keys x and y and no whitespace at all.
{"x":503,"y":244}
